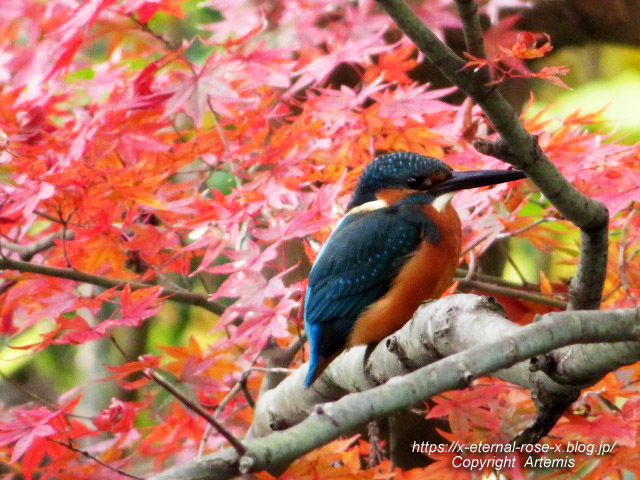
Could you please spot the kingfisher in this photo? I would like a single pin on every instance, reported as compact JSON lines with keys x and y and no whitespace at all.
{"x":397,"y":246}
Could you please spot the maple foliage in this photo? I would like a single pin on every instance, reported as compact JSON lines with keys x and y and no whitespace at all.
{"x":218,"y":163}
{"x":508,"y":63}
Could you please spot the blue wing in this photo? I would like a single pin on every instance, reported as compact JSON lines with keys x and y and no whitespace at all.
{"x":354,"y":269}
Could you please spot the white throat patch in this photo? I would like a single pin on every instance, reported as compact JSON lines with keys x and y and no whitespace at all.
{"x":441,"y":201}
{"x":369,"y":206}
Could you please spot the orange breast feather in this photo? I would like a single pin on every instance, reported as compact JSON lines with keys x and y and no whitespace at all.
{"x":426,"y":275}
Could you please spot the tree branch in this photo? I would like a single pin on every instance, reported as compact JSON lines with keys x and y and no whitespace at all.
{"x":511,"y":292}
{"x":198,"y":409}
{"x":274,"y":357}
{"x":27,"y":252}
{"x":517,"y":147}
{"x":471,"y":28}
{"x":408,"y":349}
{"x":177,"y":295}
{"x":86,"y":454}
{"x":446,"y":327}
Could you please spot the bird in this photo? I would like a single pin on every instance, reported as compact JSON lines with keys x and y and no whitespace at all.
{"x":397,"y":246}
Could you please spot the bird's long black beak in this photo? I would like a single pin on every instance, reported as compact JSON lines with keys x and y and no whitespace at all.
{"x":476,"y":178}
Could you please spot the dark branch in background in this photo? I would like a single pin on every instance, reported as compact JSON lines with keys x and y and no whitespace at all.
{"x":505,"y":356}
{"x":472,"y":31}
{"x":586,"y":287}
{"x":517,"y":147}
{"x":550,"y":406}
{"x":177,"y":295}
{"x":483,"y":277}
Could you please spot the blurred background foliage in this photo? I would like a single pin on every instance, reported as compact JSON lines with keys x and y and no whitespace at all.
{"x":601,"y":77}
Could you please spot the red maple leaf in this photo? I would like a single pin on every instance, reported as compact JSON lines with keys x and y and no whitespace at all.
{"x":118,"y":417}
{"x":525,"y":46}
{"x":29,"y":431}
{"x":135,"y":306}
{"x":131,"y":368}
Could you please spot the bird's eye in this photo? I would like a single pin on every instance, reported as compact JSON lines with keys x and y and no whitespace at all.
{"x":415,"y":183}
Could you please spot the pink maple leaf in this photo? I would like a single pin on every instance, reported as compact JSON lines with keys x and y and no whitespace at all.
{"x":209,"y":84}
{"x":31,"y":427}
{"x":354,"y":51}
{"x":148,"y":8}
{"x":74,"y":30}
{"x":413,"y":102}
{"x":438,"y":15}
{"x":25,"y":429}
{"x":134,"y":307}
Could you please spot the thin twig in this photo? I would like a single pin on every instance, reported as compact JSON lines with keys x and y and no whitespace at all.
{"x":54,"y":219}
{"x":145,"y":28}
{"x":219,"y":129}
{"x":124,"y":354}
{"x":228,"y":397}
{"x":472,"y":265}
{"x":505,"y":250}
{"x":84,"y":453}
{"x":462,"y":273}
{"x":176,"y":295}
{"x":515,"y":233}
{"x":504,"y":235}
{"x":65,"y":222}
{"x":272,"y":370}
{"x":207,"y":431}
{"x":196,"y":407}
{"x":475,"y":243}
{"x":278,"y":357}
{"x":509,"y":292}
{"x":247,"y":394}
{"x":622,"y":257}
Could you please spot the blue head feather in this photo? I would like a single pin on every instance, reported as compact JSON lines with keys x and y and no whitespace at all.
{"x":393,"y":170}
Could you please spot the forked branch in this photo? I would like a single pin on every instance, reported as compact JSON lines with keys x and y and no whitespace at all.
{"x":519,"y":148}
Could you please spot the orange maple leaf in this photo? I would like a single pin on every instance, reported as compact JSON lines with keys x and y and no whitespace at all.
{"x":393,"y":66}
{"x":551,"y":73}
{"x":525,"y":47}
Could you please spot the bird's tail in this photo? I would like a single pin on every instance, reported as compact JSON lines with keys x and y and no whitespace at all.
{"x":316,"y":368}
{"x":313,"y":331}
{"x":317,"y":363}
